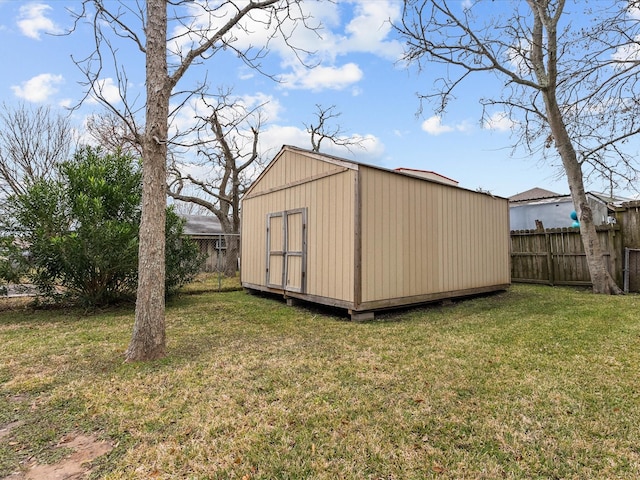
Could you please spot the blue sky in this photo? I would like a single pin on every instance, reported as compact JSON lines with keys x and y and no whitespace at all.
{"x":358,"y":71}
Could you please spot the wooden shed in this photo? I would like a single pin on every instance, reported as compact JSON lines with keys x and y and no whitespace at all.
{"x":364,"y":238}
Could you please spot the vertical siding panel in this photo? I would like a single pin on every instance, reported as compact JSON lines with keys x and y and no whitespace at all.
{"x":316,"y":234}
{"x":454,"y":244}
{"x":447,"y":231}
{"x":382,"y":233}
{"x":404,"y":231}
{"x":368,"y":267}
{"x":461,"y":240}
{"x":430,"y":225}
{"x":349,"y":220}
{"x":396,"y":213}
{"x":312,"y":233}
{"x":420,"y":240}
{"x":327,"y":237}
{"x":409,"y":233}
{"x":375,"y":235}
{"x":471,"y":242}
{"x":485,"y":224}
{"x":413,"y":252}
{"x":336,"y":277}
{"x":368,"y":239}
{"x":443,"y":234}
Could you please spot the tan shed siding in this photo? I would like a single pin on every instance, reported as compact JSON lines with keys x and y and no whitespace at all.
{"x":330,"y":267}
{"x":254,"y":236}
{"x":330,"y":227}
{"x":420,"y":237}
{"x":290,"y":167}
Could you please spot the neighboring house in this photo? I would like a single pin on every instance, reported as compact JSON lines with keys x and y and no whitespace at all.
{"x":554,"y":210}
{"x":336,"y":232}
{"x":206,"y":231}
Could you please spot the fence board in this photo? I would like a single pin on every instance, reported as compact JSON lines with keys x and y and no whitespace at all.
{"x":557,"y":256}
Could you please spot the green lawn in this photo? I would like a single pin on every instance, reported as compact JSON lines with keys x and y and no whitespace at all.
{"x":536,"y":382}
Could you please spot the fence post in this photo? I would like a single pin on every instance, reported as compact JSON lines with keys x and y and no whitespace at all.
{"x":547,"y":242}
{"x":219,"y":262}
{"x":626,"y":270}
{"x":614,"y":256}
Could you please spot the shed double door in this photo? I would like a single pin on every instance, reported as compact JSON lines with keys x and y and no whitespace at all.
{"x":287,"y":250}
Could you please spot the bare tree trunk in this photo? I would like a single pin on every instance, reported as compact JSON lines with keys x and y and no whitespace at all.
{"x":148,"y":341}
{"x":600,"y":278}
{"x":231,"y":260}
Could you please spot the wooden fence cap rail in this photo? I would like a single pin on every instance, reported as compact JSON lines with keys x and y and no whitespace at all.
{"x":599,"y":228}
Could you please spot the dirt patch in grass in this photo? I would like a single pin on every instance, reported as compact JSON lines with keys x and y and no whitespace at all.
{"x":5,"y":430}
{"x":84,"y":449}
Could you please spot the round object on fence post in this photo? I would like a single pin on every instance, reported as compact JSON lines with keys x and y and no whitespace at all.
{"x":574,"y":217}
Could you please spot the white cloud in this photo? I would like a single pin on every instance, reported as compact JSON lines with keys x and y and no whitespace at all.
{"x":634,"y":10}
{"x":628,"y":54}
{"x":107,"y":89}
{"x":272,"y":139}
{"x":274,"y":136}
{"x":39,"y":88}
{"x":367,"y":31}
{"x":499,"y":121}
{"x":270,"y":107}
{"x":32,"y":20}
{"x":434,"y":126}
{"x":517,"y":56}
{"x":323,"y":78}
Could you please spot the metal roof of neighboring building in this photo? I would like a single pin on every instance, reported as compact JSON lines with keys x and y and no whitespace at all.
{"x":534,"y":194}
{"x":428,"y":174}
{"x":201,"y":225}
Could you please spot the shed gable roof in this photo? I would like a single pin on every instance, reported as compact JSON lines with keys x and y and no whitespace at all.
{"x":350,"y":164}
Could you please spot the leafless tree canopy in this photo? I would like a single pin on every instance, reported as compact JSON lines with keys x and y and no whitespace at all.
{"x":324,"y":129}
{"x":228,"y":159}
{"x":111,"y":133}
{"x":197,"y":32}
{"x":32,"y":142}
{"x":568,"y":73}
{"x":589,"y":56}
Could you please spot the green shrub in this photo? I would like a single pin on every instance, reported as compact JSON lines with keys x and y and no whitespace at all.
{"x":82,"y":231}
{"x":13,"y":263}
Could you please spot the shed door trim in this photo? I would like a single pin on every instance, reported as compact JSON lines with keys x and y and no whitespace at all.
{"x":286,"y":250}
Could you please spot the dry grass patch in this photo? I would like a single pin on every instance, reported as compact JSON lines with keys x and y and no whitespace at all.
{"x":533,"y":383}
{"x":212,"y":282}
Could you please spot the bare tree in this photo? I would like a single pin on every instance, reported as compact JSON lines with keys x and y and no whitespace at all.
{"x":569,"y":81}
{"x":228,"y":146}
{"x":112,"y":134}
{"x":323,"y":129}
{"x":32,"y":143}
{"x":200,"y":31}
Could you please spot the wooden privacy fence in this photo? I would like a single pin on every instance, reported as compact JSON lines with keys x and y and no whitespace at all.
{"x":557,"y":257}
